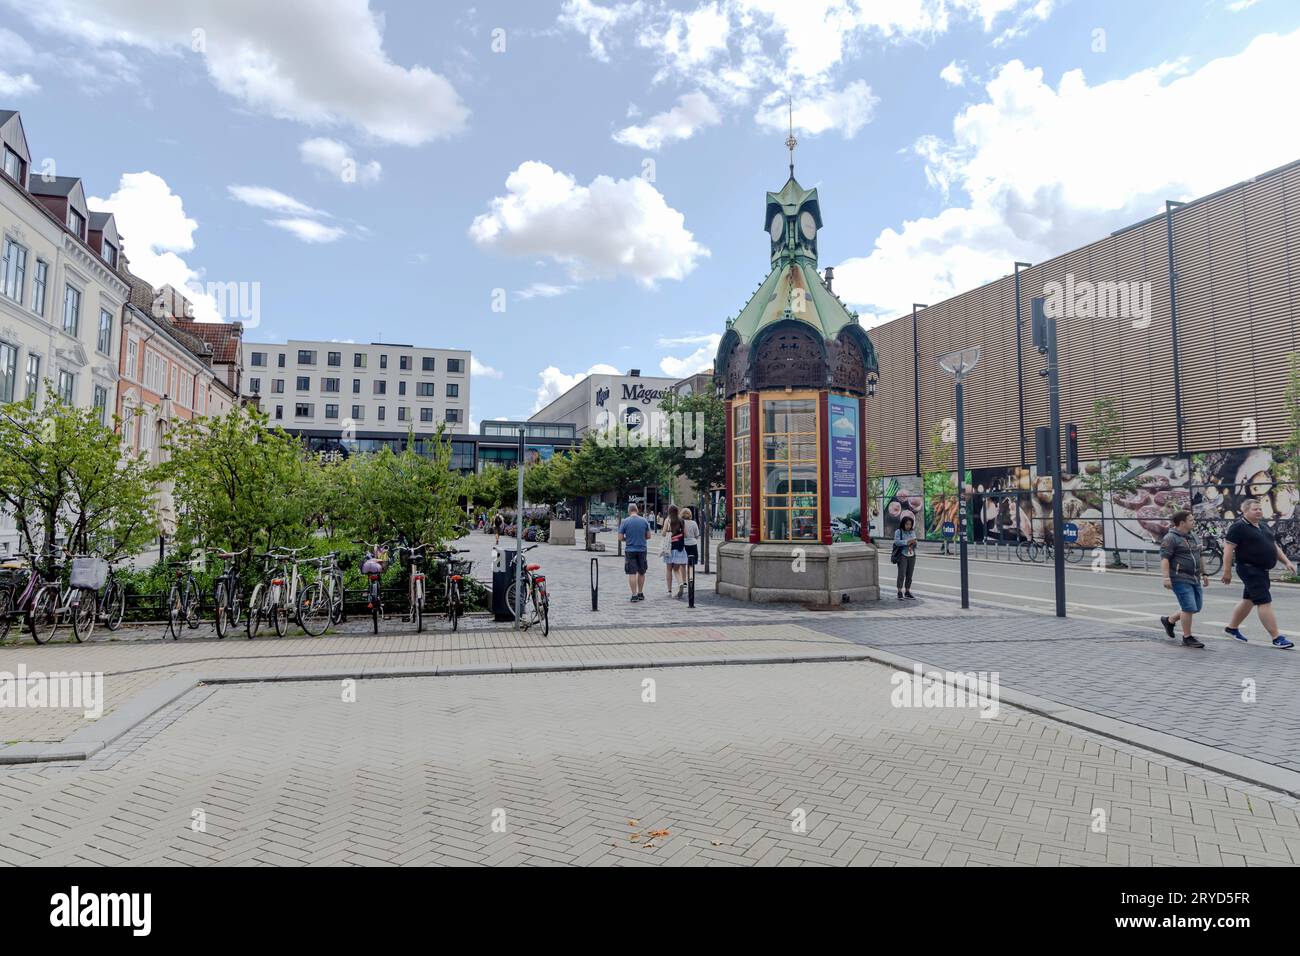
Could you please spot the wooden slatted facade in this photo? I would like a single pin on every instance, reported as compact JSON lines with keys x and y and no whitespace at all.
{"x":1237,"y":271}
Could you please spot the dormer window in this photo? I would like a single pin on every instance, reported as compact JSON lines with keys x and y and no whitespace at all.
{"x":13,"y":165}
{"x":77,"y":223}
{"x":109,"y":252}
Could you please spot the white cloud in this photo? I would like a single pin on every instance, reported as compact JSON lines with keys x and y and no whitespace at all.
{"x":612,"y":227}
{"x":155,"y":230}
{"x":953,"y":74}
{"x":318,"y":62}
{"x":594,"y":20}
{"x":309,"y":230}
{"x":555,"y":383}
{"x":264,"y":197}
{"x":543,"y":290}
{"x":17,"y":85}
{"x":693,"y":112}
{"x":477,"y":368}
{"x":846,"y":110}
{"x":1236,"y":6}
{"x":697,"y":361}
{"x":695,"y":338}
{"x":1046,"y":169}
{"x":336,"y":160}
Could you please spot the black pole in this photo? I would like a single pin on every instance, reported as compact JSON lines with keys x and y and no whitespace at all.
{"x":916,"y":383}
{"x":595,"y":584}
{"x":1020,"y":366}
{"x":1054,"y":403}
{"x":1170,"y":206}
{"x":690,"y":585}
{"x":961,"y":506}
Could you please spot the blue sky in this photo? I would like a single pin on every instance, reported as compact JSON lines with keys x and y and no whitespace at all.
{"x":396,"y":168}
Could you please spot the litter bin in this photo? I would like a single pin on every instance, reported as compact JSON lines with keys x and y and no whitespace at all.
{"x":503,"y":575}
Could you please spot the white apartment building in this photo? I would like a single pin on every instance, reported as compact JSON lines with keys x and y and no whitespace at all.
{"x":349,"y":391}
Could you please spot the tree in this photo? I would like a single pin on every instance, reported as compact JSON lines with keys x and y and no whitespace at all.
{"x":63,"y":476}
{"x":239,"y":483}
{"x":408,"y":497}
{"x":708,"y":415}
{"x":1111,"y":471}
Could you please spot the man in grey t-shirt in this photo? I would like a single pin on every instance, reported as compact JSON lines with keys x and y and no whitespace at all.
{"x":1184,"y":572}
{"x":633,"y":532}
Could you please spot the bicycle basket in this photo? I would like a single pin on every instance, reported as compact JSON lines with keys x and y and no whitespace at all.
{"x":462,"y":568}
{"x":89,"y":573}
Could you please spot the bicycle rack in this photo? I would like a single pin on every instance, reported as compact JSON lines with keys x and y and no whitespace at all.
{"x":595,"y":584}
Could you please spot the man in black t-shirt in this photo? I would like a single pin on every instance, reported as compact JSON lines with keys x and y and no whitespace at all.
{"x":1256,"y":553}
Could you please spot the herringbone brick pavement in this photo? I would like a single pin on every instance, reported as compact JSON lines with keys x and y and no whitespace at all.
{"x":572,"y":766}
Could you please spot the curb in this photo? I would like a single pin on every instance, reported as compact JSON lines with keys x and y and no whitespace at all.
{"x":94,"y":738}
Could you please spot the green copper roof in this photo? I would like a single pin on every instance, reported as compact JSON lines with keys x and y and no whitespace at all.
{"x":791,"y":197}
{"x":776,"y":299}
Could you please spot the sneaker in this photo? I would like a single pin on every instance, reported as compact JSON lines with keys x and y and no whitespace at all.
{"x":1167,"y":624}
{"x":900,"y":595}
{"x":909,"y":594}
{"x":1234,"y":632}
{"x":1282,"y":643}
{"x":1189,"y":641}
{"x":635,"y":598}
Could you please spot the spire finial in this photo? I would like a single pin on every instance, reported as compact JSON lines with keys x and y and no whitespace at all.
{"x":790,"y":141}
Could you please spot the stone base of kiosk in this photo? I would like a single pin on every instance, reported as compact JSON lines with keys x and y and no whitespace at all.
{"x":842,"y":573}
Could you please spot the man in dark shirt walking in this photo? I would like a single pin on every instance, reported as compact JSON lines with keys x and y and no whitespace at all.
{"x":1257,"y":553}
{"x":1180,"y":559}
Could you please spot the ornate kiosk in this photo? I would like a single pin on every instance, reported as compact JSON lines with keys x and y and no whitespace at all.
{"x":795,"y":369}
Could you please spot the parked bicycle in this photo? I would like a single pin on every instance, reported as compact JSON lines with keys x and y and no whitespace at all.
{"x":52,"y":600}
{"x":535,"y":608}
{"x":415,"y":588}
{"x":227,"y":592}
{"x":264,"y":600}
{"x":1032,"y":551}
{"x":184,"y":598}
{"x":455,"y":572}
{"x":373,"y":567}
{"x":1211,"y":548}
{"x":112,"y":599}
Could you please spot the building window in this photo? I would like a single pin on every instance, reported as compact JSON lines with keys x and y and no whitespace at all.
{"x":424,"y":389}
{"x":335,"y":359}
{"x":306,"y":357}
{"x":401,"y":388}
{"x":302,"y":410}
{"x":382,"y":411}
{"x":104,"y":343}
{"x":331,"y":411}
{"x":77,"y":223}
{"x":279,"y":412}
{"x":304,"y":383}
{"x":110,"y":255}
{"x":426,"y":363}
{"x":404,"y":363}
{"x":277,"y":386}
{"x":329,"y":385}
{"x":280,"y":361}
{"x":381,"y":387}
{"x":33,"y":378}
{"x":453,"y":390}
{"x":358,"y":413}
{"x":67,"y":386}
{"x":255,"y":385}
{"x":426,"y":414}
{"x":38,"y":286}
{"x":71,"y":310}
{"x":789,"y":442}
{"x":13,"y":165}
{"x":8,"y":372}
{"x":258,"y":360}
{"x":14,"y":278}
{"x":383,"y":361}
{"x":403,"y":414}
{"x":453,"y":415}
{"x":740,"y":473}
{"x":101,"y":404}
{"x":356,"y":386}
{"x":358,"y":359}
{"x":455,"y":365}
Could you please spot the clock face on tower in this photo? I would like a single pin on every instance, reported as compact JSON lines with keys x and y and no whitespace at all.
{"x":807,"y":225}
{"x":777,"y":227}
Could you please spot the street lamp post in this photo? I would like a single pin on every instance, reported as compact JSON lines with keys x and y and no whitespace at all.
{"x":959,"y":365}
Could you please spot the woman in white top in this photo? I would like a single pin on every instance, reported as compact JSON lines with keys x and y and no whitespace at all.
{"x":692,"y":537}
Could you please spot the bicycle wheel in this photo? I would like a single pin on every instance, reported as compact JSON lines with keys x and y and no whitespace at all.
{"x":418,"y":610}
{"x":374,"y":614}
{"x":220,"y":612}
{"x":236,"y":604}
{"x":1213,"y":562}
{"x":83,"y":614}
{"x":1073,"y":553}
{"x":542,"y":607}
{"x":313,"y":611}
{"x":453,"y":605}
{"x":175,"y":612}
{"x":6,"y":611}
{"x":114,"y":606}
{"x":1025,"y":550}
{"x":279,"y":615}
{"x":44,"y":615}
{"x":193,"y":601}
{"x":336,"y":600}
{"x":255,"y":610}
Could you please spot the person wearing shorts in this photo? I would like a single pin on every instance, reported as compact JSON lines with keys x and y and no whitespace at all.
{"x":1256,"y":552}
{"x":633,"y":531}
{"x":1184,"y":572}
{"x":692,"y":538}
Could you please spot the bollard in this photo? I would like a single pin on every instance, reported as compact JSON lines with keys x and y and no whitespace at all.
{"x":690,"y":587}
{"x":595,"y":584}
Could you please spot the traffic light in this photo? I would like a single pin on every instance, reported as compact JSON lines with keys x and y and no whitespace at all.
{"x":1072,"y":448}
{"x":1044,"y":453}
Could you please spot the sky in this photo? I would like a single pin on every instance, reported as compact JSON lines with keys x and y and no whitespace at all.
{"x":564,"y":187}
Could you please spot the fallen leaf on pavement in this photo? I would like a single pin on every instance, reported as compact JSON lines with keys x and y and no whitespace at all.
{"x":658,"y":833}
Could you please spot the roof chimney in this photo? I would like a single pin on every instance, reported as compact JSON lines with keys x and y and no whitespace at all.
{"x":830,"y":278}
{"x":634,"y":373}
